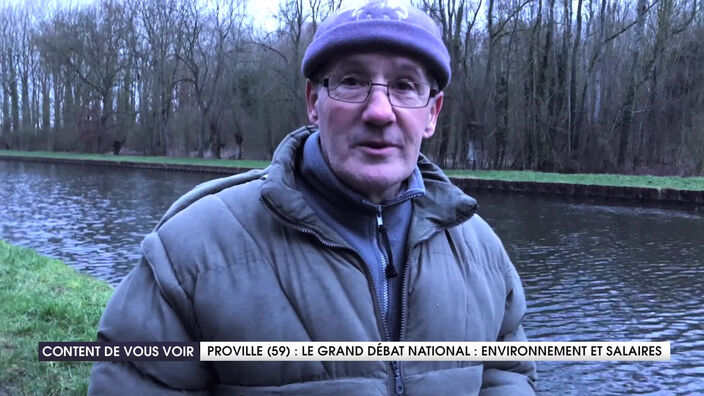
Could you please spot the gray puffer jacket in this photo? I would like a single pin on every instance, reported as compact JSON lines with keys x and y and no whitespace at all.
{"x":245,"y":258}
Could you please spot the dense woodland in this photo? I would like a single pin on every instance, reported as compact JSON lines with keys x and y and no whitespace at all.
{"x":551,"y":85}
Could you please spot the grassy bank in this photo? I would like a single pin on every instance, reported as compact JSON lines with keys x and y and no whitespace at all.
{"x":137,"y":158}
{"x":677,"y":183}
{"x":673,"y":182}
{"x":43,"y":299}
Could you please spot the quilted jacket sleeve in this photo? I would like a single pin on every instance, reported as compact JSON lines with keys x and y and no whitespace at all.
{"x":149,"y":305}
{"x":510,"y":378}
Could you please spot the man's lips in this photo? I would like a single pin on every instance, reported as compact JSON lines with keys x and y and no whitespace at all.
{"x":375,"y":144}
{"x":376,"y":148}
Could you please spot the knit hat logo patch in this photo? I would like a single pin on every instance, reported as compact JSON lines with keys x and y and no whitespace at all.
{"x":389,"y":10}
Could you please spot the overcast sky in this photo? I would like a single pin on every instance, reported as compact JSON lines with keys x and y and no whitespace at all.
{"x":262,"y":10}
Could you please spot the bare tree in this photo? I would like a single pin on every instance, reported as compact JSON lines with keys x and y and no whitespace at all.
{"x":162,"y":26}
{"x":204,"y":55}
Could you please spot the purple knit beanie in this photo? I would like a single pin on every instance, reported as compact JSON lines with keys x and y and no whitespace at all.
{"x":385,"y":25}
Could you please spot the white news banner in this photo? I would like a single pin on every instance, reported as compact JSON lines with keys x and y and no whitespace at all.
{"x":461,"y":351}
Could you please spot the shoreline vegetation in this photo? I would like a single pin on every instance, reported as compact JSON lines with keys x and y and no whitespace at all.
{"x":616,"y":180}
{"x":43,"y":299}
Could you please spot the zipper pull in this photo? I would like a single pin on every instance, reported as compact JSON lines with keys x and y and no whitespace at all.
{"x":390,"y":270}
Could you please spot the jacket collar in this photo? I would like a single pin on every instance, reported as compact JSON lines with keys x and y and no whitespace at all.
{"x":444,"y":205}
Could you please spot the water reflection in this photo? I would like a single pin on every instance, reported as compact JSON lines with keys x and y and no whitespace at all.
{"x":599,"y":271}
{"x":93,"y":218}
{"x":593,"y":270}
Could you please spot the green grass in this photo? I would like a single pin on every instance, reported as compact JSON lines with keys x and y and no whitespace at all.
{"x":43,"y":299}
{"x":678,"y":183}
{"x":137,"y":158}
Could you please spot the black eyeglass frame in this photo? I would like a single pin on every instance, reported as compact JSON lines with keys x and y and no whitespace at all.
{"x":326,"y":83}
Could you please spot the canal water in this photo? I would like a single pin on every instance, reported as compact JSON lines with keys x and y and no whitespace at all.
{"x":593,"y":270}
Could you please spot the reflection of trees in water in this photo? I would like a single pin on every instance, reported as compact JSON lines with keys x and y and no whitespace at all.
{"x":97,"y":216}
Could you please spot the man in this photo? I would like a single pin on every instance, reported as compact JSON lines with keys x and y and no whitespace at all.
{"x":349,"y":235}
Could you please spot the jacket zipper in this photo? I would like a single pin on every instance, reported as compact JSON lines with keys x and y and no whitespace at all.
{"x":389,"y":272}
{"x":387,"y":262}
{"x":384,"y":328}
{"x":390,"y":269}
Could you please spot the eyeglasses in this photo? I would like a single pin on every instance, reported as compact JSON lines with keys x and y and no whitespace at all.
{"x":404,"y":92}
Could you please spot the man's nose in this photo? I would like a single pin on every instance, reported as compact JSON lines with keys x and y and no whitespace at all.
{"x":378,"y":109}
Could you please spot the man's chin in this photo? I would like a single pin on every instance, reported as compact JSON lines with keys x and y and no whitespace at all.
{"x":363,"y":173}
{"x":376,"y":182}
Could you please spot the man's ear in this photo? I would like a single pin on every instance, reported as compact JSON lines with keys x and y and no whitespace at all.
{"x":311,"y":100}
{"x":435,"y":108}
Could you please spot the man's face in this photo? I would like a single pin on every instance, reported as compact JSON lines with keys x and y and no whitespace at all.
{"x":372,"y":146}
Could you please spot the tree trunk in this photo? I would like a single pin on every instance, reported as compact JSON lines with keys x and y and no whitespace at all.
{"x":46,"y":106}
{"x":26,"y":100}
{"x":6,"y":118}
{"x":69,"y":116}
{"x":105,"y":122}
{"x":14,"y":99}
{"x":574,"y":107}
{"x":629,"y":102}
{"x":57,"y":110}
{"x":201,"y":133}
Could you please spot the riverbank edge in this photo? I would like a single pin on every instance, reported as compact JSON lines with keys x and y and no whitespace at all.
{"x":43,"y":299}
{"x":467,"y":184}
